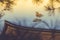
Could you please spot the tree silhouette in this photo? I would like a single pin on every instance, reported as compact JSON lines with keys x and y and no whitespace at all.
{"x":50,"y":10}
{"x":47,"y":8}
{"x":8,"y":4}
{"x":50,"y":7}
{"x":2,"y":1}
{"x":37,"y":2}
{"x":58,"y":1}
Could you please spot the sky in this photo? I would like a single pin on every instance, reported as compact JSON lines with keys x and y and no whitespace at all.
{"x":25,"y":9}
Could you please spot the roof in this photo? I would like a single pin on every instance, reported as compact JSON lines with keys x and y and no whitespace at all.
{"x":15,"y":32}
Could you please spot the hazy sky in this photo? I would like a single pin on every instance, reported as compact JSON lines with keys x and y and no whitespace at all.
{"x":26,"y":9}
